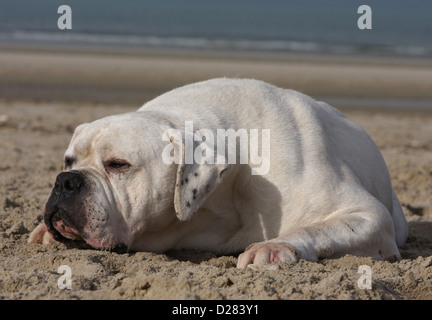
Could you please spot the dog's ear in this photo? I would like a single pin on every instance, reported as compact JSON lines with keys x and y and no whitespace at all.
{"x":195,"y":182}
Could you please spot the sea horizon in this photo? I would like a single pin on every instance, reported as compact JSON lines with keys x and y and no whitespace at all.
{"x":399,"y":28}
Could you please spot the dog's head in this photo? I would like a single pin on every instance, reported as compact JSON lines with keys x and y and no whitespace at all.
{"x":115,"y":185}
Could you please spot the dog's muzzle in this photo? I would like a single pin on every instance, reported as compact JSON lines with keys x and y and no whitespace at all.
{"x":64,"y":214}
{"x":69,"y":208}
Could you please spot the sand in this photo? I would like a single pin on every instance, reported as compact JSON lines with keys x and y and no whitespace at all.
{"x":45,"y":95}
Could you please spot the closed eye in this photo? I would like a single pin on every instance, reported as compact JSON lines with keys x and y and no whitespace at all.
{"x":116,"y":165}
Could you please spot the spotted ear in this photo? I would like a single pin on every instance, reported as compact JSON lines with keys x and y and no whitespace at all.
{"x":194,"y":183}
{"x":198,"y":173}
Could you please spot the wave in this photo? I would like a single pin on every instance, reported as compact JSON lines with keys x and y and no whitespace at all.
{"x":212,"y":44}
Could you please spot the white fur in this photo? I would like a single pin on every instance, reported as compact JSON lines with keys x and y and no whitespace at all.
{"x":327,"y":193}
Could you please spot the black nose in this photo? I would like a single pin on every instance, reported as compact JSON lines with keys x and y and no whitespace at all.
{"x":69,"y":181}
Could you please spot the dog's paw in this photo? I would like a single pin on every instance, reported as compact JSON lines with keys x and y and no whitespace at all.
{"x":267,"y":252}
{"x":41,"y":235}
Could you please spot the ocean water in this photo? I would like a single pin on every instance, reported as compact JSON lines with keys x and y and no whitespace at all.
{"x":399,"y":27}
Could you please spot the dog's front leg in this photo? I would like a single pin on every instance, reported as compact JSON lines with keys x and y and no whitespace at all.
{"x":359,"y":233}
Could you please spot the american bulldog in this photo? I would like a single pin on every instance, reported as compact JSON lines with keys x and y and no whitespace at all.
{"x":138,"y":181}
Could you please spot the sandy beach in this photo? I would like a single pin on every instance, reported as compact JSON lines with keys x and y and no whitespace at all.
{"x":45,"y":94}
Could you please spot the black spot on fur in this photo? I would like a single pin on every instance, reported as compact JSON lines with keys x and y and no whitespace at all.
{"x":188,"y":204}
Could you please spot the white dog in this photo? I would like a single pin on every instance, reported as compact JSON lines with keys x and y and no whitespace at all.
{"x":324,"y":190}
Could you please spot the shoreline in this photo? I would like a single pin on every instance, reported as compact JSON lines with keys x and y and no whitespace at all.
{"x":223,"y":54}
{"x":124,"y":76}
